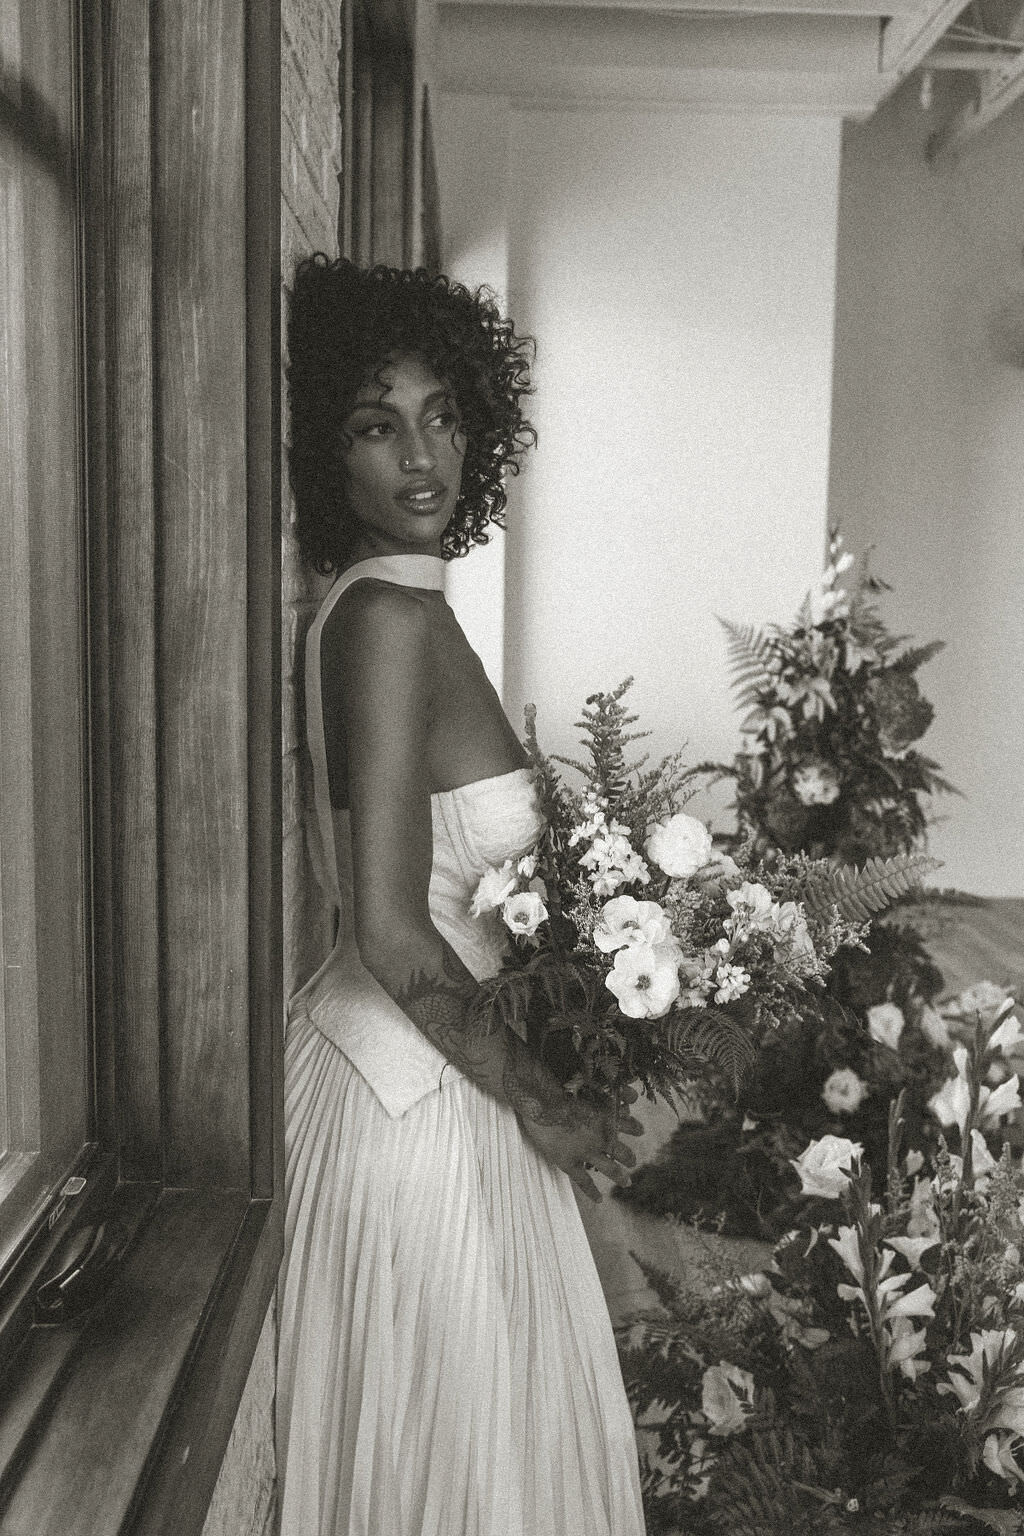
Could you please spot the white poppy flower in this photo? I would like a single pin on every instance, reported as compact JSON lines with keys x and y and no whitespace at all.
{"x":524,"y":913}
{"x":645,"y":980}
{"x":624,"y":920}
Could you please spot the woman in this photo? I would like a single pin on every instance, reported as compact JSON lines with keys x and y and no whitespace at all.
{"x":447,"y":1364}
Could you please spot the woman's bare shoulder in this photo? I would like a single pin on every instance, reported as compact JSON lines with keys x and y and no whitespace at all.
{"x":376,"y":616}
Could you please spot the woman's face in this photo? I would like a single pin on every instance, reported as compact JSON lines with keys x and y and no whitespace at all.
{"x":402,"y":465}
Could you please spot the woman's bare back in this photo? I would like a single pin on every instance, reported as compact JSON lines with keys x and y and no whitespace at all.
{"x":468,"y":734}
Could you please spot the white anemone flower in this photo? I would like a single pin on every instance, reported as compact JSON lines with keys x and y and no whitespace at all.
{"x":624,"y":920}
{"x":645,"y":980}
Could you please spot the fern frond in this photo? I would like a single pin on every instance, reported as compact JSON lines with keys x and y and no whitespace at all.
{"x":713,"y":1036}
{"x":861,"y":893}
{"x":917,"y":655}
{"x":748,"y":649}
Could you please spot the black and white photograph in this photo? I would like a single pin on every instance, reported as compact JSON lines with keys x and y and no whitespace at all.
{"x":511,"y":755}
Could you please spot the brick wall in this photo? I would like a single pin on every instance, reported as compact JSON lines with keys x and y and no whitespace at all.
{"x":243,"y":1501}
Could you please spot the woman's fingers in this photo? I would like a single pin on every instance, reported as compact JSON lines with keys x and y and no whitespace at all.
{"x":611,"y":1169}
{"x":623,"y":1154}
{"x":581,"y":1178}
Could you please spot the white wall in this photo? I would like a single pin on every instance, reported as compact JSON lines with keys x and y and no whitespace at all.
{"x":928,"y":452}
{"x":677,"y":268}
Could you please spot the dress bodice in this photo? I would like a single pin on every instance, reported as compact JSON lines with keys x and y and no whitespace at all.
{"x":474,"y":825}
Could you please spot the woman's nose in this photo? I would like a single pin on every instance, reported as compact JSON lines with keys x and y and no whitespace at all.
{"x":416,"y":452}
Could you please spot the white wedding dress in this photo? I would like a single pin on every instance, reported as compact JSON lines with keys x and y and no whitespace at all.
{"x":447,"y":1364}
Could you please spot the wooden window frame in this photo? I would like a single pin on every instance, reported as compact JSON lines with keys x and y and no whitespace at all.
{"x":118,"y":1420}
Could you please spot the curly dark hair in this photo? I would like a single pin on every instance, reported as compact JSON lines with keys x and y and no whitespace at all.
{"x":345,"y":323}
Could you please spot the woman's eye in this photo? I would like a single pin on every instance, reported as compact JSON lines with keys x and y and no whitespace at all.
{"x":447,"y":421}
{"x":374,"y":429}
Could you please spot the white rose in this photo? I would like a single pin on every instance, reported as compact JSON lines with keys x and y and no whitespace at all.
{"x":679,"y":846}
{"x":824,"y":1166}
{"x":791,"y":926}
{"x":723,"y":1406}
{"x":815,"y":784}
{"x":524,"y":912}
{"x":645,"y":980}
{"x":885,"y":1024}
{"x":495,"y":886}
{"x":844,"y":1091}
{"x":527,"y":865}
{"x":624,"y":920}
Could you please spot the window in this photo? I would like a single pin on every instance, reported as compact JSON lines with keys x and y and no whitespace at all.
{"x":45,"y":1106}
{"x":140,"y":746}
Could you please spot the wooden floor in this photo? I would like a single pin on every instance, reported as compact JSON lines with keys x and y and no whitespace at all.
{"x":970,"y":943}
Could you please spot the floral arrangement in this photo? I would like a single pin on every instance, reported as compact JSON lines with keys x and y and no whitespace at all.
{"x":832,"y":709}
{"x":831,"y":1072}
{"x":871,"y":1378}
{"x":639,"y":951}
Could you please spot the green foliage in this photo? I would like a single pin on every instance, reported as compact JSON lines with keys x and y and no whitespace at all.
{"x":859,"y":894}
{"x":749,"y":649}
{"x":830,"y":710}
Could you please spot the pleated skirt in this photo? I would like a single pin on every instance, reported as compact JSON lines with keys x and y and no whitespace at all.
{"x":447,"y":1364}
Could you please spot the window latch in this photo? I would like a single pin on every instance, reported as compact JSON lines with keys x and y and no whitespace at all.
{"x":80,"y":1271}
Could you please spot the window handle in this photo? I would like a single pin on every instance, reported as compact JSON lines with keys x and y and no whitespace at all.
{"x":80,"y":1271}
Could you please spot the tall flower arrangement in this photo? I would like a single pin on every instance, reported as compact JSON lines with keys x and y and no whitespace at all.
{"x":871,"y":1378}
{"x":639,"y":952}
{"x":828,"y":767}
{"x":832,"y":712}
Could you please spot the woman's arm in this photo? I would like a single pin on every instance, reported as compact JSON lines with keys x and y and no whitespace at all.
{"x":377,"y":656}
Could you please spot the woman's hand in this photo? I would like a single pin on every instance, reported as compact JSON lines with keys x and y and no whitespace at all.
{"x":588,"y":1140}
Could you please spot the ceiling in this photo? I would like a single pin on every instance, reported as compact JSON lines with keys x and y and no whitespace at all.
{"x":836,"y":56}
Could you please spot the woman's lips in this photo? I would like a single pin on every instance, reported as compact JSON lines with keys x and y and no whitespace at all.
{"x":426,"y":496}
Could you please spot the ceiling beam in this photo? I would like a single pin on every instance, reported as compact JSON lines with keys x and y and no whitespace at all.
{"x":683,"y":7}
{"x":998,"y":89}
{"x":906,"y":39}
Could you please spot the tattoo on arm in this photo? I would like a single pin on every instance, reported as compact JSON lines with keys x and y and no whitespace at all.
{"x":533,"y":1092}
{"x":446,"y":1009}
{"x":442,"y":1008}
